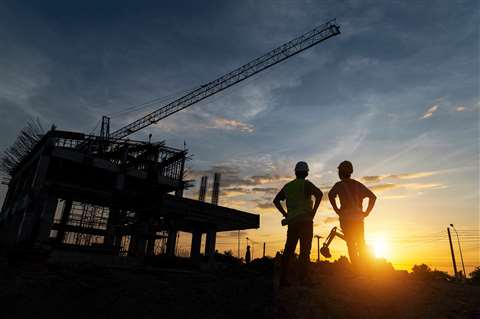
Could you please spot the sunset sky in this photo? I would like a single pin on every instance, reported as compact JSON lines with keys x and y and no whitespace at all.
{"x":397,"y":93}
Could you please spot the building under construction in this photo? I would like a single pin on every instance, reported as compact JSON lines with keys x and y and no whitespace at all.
{"x":114,"y":196}
{"x":124,"y":197}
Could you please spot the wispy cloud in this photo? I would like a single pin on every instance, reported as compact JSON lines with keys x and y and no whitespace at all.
{"x":430,"y":111}
{"x":234,"y":191}
{"x":229,"y":124}
{"x":204,"y":121}
{"x":384,"y":187}
{"x":413,"y":175}
{"x":409,"y":186}
{"x":331,"y":220}
{"x":378,"y":178}
{"x":460,"y":108}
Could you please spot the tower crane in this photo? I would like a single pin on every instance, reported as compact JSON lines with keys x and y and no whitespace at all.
{"x":277,"y":55}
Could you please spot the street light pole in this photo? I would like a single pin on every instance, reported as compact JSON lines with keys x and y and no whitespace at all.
{"x":238,"y":245}
{"x":453,"y":254}
{"x":460,"y":249}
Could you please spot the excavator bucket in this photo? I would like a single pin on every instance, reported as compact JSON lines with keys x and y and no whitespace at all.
{"x":325,"y":251}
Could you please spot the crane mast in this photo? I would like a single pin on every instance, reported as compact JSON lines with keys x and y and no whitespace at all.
{"x":291,"y":48}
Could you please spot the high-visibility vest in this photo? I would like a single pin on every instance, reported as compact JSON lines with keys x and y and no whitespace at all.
{"x":297,"y":202}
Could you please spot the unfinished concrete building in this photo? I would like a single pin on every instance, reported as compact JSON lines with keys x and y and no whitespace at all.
{"x":117,"y":197}
{"x":123,"y":197}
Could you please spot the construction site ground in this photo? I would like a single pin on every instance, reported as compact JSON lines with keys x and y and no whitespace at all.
{"x":41,"y":290}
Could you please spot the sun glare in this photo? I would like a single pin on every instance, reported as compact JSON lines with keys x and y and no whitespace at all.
{"x":380,"y":248}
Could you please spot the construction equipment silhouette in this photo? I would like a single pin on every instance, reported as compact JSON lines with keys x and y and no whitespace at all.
{"x":325,"y":251}
{"x":275,"y":56}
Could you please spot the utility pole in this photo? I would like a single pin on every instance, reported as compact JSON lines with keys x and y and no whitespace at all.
{"x":263,"y":249}
{"x":453,"y":254}
{"x":460,"y":249}
{"x":318,"y":246}
{"x":238,"y":244}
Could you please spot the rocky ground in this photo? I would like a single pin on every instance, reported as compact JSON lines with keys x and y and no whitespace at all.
{"x":41,"y":290}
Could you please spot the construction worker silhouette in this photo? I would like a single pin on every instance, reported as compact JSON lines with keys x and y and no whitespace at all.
{"x":248,"y":255}
{"x":351,"y":194}
{"x":299,"y":218}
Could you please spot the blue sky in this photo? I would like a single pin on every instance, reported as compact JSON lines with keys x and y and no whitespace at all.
{"x":397,"y":93}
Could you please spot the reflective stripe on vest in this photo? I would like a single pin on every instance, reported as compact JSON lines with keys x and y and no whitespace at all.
{"x":297,"y":203}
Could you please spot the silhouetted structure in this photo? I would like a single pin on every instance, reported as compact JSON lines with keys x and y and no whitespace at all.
{"x":453,"y":254}
{"x":112,"y":196}
{"x":216,"y":188}
{"x":269,"y":59}
{"x":299,"y":216}
{"x":115,"y":195}
{"x":351,"y":214}
{"x":248,"y":256}
{"x":203,"y":188}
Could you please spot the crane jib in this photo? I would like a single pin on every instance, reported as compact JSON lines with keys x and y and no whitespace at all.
{"x":267,"y":60}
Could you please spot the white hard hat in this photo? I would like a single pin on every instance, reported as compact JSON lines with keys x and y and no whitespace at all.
{"x":301,"y":167}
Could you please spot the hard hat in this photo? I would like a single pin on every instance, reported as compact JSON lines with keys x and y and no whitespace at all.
{"x":346,"y":166}
{"x":301,"y":167}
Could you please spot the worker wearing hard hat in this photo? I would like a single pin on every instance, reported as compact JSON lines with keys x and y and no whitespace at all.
{"x":299,"y":217}
{"x":351,"y":194}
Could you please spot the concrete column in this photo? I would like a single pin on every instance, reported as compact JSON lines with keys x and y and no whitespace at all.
{"x":109,"y":240}
{"x":41,"y":171}
{"x":63,"y":221}
{"x":25,"y":229}
{"x":151,"y":245}
{"x":46,"y":219}
{"x":138,"y":240}
{"x":171,"y":242}
{"x":210,"y":244}
{"x":196,"y":243}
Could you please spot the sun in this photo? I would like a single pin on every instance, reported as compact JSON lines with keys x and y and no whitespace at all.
{"x":380,"y":247}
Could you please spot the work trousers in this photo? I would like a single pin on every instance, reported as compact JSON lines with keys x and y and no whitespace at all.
{"x":303,"y":231}
{"x":354,"y":232}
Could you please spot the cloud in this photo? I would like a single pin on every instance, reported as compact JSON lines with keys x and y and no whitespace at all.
{"x":203,"y":121}
{"x":384,"y":187}
{"x":403,"y":176}
{"x":228,"y":124}
{"x":430,"y":111}
{"x":232,"y":176}
{"x":419,"y":186}
{"x":265,"y":205}
{"x":266,"y":190}
{"x":412,"y":175}
{"x":234,"y":191}
{"x":460,"y":108}
{"x":331,"y":220}
{"x":394,"y":197}
{"x":409,"y":186}
{"x":268,"y":178}
{"x":372,"y":179}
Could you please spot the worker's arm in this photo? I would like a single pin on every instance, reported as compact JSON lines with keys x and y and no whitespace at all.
{"x":277,"y":202}
{"x":317,"y":193}
{"x":332,"y":194}
{"x":371,"y":200}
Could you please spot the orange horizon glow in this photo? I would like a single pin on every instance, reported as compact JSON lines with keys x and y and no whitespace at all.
{"x":408,"y":226}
